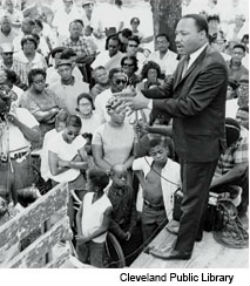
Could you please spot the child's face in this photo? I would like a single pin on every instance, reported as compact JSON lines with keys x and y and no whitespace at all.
{"x":120,"y":178}
{"x":60,"y":126}
{"x":159,"y":153}
{"x":84,"y":106}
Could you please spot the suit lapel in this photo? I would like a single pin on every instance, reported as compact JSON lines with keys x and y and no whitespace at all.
{"x":179,"y":73}
{"x":195,"y":64}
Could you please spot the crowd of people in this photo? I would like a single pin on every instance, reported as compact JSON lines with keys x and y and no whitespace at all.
{"x":64,"y":80}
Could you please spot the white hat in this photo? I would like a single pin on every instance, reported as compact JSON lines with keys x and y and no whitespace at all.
{"x":7,"y":48}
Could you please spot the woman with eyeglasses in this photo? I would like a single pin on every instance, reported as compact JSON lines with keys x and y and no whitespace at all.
{"x":67,"y":157}
{"x":129,"y":66}
{"x":86,"y":111}
{"x":42,"y":102}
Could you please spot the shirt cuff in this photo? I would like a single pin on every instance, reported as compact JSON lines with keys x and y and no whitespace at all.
{"x":150,"y":104}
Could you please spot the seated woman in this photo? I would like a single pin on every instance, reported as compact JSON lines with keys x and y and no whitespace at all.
{"x":40,"y":101}
{"x":67,"y":156}
{"x":113,"y":141}
{"x":86,"y":111}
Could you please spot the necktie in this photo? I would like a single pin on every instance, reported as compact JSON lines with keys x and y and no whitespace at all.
{"x":185,"y":65}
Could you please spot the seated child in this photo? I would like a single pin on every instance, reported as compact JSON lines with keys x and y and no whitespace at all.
{"x":159,"y":178}
{"x":93,"y":219}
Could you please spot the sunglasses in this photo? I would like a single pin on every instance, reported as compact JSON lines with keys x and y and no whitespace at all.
{"x":8,"y":53}
{"x":119,"y":81}
{"x":132,"y":46}
{"x":39,"y":81}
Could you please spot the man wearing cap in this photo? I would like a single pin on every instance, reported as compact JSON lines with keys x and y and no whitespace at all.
{"x":7,"y":35}
{"x":7,"y":50}
{"x":28,"y":58}
{"x":68,"y":87}
{"x":232,"y":167}
{"x":52,"y":74}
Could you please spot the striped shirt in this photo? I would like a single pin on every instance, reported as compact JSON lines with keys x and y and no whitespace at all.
{"x":235,"y":154}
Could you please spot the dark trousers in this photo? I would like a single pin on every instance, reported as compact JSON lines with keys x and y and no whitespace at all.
{"x":196,"y":179}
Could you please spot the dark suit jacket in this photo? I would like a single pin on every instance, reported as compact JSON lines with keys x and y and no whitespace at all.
{"x":197,"y":104}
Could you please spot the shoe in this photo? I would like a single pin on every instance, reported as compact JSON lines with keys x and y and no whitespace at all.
{"x":173,"y":227}
{"x":171,"y":255}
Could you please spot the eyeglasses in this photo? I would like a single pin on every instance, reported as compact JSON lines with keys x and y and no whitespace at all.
{"x":39,"y":81}
{"x":128,"y":65}
{"x":132,"y":46}
{"x":119,"y":81}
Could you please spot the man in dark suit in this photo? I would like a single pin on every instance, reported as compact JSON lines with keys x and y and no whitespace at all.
{"x":195,"y":98}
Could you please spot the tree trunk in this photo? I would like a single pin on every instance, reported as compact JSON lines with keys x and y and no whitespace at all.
{"x":166,"y":14}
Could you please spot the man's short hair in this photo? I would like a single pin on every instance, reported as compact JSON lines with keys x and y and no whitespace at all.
{"x":164,"y":35}
{"x":126,"y":33}
{"x":77,"y":21}
{"x":135,"y":39}
{"x":200,"y":22}
{"x":113,"y":37}
{"x":213,"y":18}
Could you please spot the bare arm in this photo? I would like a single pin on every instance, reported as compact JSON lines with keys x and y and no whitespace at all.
{"x":98,"y":157}
{"x":31,"y":134}
{"x":230,"y":176}
{"x":41,"y":115}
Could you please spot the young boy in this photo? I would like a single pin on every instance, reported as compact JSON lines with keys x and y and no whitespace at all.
{"x":159,"y":178}
{"x":93,"y":219}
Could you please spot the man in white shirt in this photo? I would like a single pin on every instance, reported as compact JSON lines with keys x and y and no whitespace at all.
{"x":111,"y":58}
{"x":165,"y":58}
{"x":68,"y":88}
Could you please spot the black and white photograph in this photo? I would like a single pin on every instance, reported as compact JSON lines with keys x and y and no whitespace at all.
{"x":124,"y":142}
